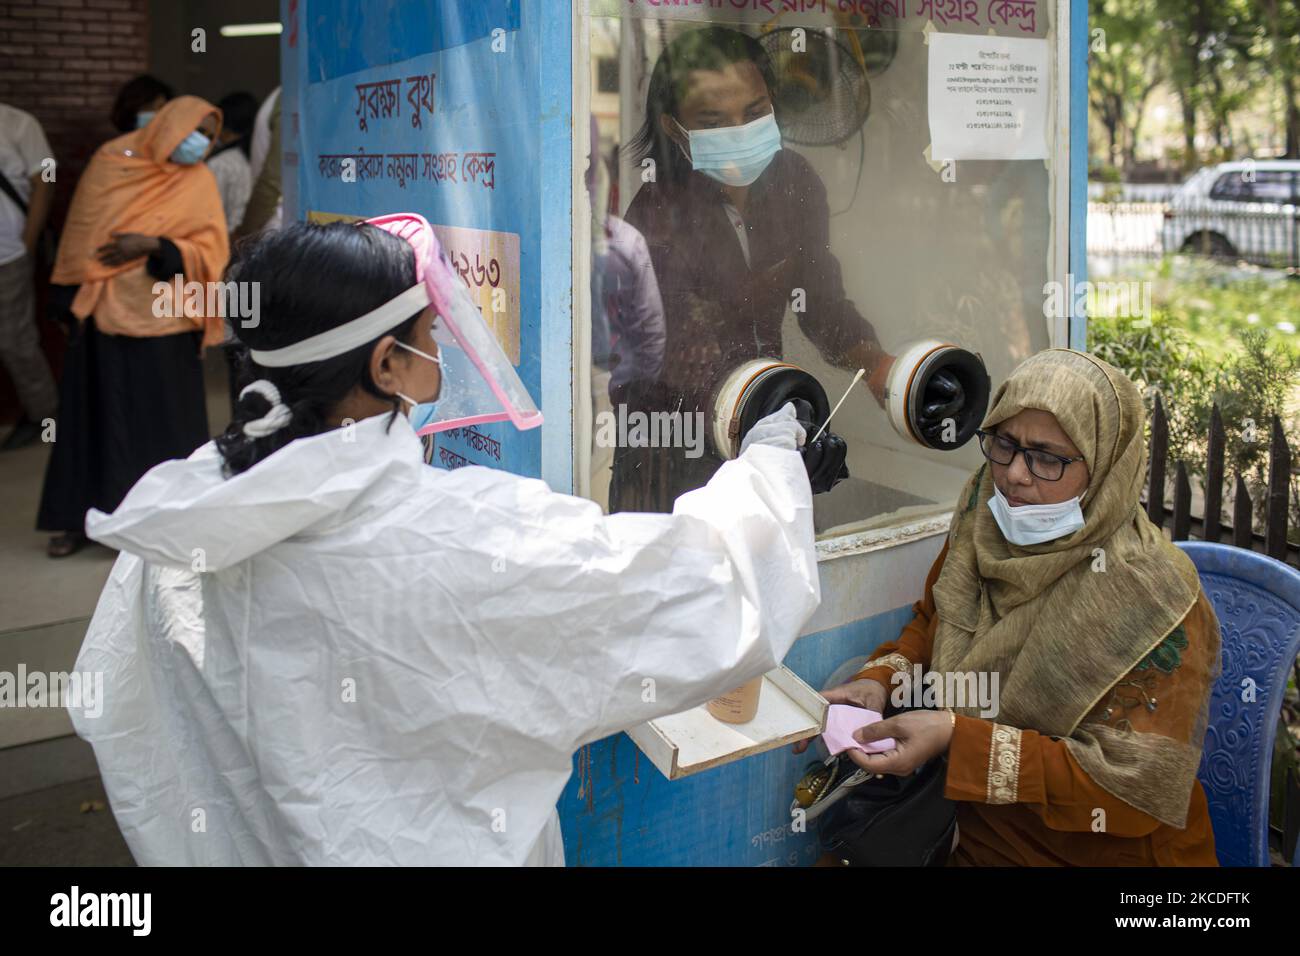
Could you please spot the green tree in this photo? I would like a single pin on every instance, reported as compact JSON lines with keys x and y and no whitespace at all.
{"x":1235,"y":70}
{"x":1124,"y":43}
{"x":1215,"y":60}
{"x":1278,"y":26}
{"x":1185,"y":29}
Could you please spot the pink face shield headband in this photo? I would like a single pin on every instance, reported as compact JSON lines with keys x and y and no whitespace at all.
{"x":479,"y":385}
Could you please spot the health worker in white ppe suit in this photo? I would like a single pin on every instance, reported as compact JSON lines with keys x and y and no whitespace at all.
{"x":327,"y":652}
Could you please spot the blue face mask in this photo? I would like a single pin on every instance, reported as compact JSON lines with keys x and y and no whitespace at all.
{"x":421,"y":413}
{"x":142,"y":119}
{"x":734,"y":155}
{"x":191,"y":149}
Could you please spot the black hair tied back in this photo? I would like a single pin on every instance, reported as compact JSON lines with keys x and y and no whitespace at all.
{"x":311,"y":278}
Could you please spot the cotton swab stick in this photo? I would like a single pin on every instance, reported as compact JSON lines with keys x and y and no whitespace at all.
{"x":857,"y":378}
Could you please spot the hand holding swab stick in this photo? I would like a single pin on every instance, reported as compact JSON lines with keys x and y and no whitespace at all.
{"x":856,"y":378}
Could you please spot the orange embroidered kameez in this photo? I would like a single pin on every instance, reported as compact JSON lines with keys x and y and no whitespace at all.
{"x":1057,"y":815}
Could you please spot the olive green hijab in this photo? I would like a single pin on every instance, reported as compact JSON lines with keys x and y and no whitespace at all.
{"x":1063,"y":621}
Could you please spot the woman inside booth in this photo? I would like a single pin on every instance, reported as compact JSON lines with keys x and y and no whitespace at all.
{"x":738,"y":229}
{"x":1102,"y":642}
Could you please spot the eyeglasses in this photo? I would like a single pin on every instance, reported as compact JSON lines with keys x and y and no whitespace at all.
{"x":1041,"y":464}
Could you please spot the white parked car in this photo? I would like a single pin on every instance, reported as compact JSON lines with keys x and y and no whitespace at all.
{"x":1248,"y":209}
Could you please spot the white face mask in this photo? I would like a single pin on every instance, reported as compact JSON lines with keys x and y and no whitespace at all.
{"x":1034,"y":524}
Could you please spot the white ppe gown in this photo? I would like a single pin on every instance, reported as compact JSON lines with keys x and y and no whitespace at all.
{"x":345,"y":656}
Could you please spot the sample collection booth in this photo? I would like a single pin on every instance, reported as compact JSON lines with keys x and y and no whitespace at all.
{"x":928,"y":193}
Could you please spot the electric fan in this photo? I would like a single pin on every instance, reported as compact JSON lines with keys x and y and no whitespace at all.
{"x":822,"y":94}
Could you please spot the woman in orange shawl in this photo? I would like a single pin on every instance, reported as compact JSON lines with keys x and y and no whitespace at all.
{"x":145,"y":212}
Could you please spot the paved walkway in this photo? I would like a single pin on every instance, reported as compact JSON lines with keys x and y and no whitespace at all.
{"x":67,"y":825}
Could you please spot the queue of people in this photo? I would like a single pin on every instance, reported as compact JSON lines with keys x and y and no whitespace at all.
{"x":158,"y":201}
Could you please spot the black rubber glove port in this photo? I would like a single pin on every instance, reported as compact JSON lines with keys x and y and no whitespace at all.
{"x":943,"y":401}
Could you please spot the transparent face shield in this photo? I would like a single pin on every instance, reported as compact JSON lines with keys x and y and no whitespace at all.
{"x":479,"y":384}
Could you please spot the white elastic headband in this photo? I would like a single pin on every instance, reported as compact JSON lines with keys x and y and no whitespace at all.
{"x":349,"y":335}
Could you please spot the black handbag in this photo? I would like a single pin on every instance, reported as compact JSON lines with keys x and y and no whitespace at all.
{"x":867,"y":819}
{"x":893,"y":821}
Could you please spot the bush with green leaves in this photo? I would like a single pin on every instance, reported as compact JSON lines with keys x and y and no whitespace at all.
{"x":1250,"y":384}
{"x":1162,"y":358}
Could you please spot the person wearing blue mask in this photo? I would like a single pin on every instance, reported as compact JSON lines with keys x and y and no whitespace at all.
{"x":735,"y":222}
{"x":145,"y":225}
{"x":138,"y":101}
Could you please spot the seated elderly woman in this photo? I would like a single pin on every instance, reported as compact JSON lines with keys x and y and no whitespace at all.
{"x":1054,"y":582}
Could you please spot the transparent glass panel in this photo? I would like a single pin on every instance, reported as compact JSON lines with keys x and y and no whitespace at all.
{"x":750,"y":200}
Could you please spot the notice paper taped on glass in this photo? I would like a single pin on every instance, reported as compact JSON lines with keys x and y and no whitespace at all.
{"x":988,"y":97}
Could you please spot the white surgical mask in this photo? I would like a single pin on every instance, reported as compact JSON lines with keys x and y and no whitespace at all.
{"x":1034,"y":524}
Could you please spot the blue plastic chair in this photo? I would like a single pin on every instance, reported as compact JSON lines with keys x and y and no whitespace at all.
{"x":1257,"y":600}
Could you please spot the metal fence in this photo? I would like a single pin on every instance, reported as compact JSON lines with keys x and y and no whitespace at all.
{"x":1262,"y":234}
{"x":1125,"y":228}
{"x":1132,"y":192}
{"x":1209,"y":525}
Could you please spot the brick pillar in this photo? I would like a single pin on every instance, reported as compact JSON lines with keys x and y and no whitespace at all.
{"x":63,"y":61}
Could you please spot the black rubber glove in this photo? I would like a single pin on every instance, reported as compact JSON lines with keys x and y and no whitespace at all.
{"x":823,"y":459}
{"x":944,"y":399}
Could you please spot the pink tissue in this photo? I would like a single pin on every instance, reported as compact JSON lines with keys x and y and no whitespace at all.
{"x":842,"y":720}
